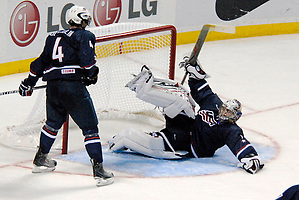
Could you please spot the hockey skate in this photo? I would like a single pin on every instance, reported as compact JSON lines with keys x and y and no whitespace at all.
{"x":100,"y":175}
{"x":42,"y":163}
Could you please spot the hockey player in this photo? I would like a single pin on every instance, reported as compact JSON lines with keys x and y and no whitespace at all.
{"x":292,"y":193}
{"x":67,"y":63}
{"x":187,"y":134}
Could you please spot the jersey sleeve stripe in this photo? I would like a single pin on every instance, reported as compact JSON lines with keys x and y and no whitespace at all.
{"x":59,"y":68}
{"x":89,"y":66}
{"x":32,"y":73}
{"x":242,"y":149}
{"x":203,"y":86}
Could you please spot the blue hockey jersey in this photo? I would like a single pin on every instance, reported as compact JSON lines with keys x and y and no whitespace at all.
{"x":67,"y":54}
{"x":208,"y":134}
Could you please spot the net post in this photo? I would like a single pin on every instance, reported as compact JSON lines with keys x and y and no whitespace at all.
{"x":65,"y":134}
{"x":172,"y":52}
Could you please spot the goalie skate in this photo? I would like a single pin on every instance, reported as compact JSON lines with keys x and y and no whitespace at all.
{"x":42,"y":163}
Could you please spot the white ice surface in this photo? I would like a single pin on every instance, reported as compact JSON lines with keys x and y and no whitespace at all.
{"x":262,"y":72}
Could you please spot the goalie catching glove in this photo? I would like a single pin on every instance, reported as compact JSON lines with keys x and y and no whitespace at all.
{"x":167,"y":94}
{"x":194,"y":71}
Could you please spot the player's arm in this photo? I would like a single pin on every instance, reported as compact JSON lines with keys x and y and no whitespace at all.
{"x":36,"y":71}
{"x":87,"y":58}
{"x":242,"y":149}
{"x":199,"y":87}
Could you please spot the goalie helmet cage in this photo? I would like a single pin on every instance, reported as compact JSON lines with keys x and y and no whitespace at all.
{"x":121,"y":50}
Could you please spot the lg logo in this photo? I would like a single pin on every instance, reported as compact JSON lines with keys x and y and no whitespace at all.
{"x":106,"y":12}
{"x":152,"y":10}
{"x":24,"y":23}
{"x":25,"y":19}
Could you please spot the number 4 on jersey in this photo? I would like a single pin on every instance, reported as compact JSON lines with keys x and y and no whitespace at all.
{"x":57,"y":50}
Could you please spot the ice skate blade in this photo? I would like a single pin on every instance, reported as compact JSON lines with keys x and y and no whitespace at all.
{"x":103,"y":182}
{"x":42,"y":169}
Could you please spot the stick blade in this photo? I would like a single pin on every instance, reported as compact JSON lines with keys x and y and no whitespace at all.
{"x":222,"y":28}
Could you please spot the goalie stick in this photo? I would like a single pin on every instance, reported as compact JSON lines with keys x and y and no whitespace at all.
{"x":16,"y":91}
{"x":200,"y":40}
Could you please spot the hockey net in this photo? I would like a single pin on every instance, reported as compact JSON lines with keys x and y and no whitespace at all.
{"x":121,"y":50}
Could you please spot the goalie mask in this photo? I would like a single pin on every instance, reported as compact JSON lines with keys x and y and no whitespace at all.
{"x":230,"y":111}
{"x":76,"y":15}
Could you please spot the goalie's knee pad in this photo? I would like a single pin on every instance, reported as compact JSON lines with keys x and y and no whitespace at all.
{"x":151,"y":145}
{"x":167,"y":94}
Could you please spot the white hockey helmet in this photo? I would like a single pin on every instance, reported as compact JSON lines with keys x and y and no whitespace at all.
{"x":230,"y":111}
{"x":77,"y":14}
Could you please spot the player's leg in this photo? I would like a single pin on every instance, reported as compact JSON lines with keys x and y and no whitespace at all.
{"x":173,"y":142}
{"x":152,"y":144}
{"x":56,"y":116}
{"x":167,"y":94}
{"x":82,"y":111}
{"x":177,"y":131}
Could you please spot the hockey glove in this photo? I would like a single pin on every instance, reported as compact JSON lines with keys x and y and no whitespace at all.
{"x":25,"y":89}
{"x":184,"y":62}
{"x":194,"y":72}
{"x":91,"y":79}
{"x":251,"y":164}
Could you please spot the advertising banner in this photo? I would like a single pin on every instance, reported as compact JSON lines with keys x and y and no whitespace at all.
{"x":27,"y":23}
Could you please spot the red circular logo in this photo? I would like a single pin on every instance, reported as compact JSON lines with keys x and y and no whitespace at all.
{"x":24,"y":23}
{"x":106,"y":12}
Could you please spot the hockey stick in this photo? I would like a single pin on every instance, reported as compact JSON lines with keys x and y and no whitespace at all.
{"x":200,"y":40}
{"x":17,"y":91}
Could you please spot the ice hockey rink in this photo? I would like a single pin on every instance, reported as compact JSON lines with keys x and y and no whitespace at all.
{"x":261,"y":72}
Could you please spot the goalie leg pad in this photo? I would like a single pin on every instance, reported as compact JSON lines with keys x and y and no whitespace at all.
{"x":177,"y":106}
{"x":167,"y":94}
{"x":143,"y":143}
